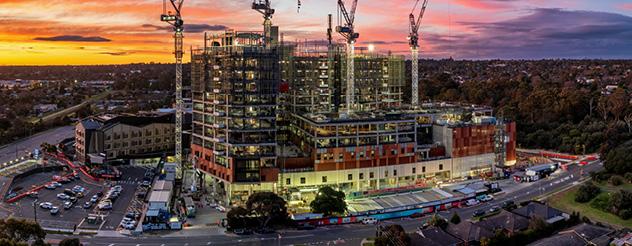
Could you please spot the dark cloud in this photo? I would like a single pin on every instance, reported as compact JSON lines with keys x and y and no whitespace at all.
{"x":544,"y":33}
{"x":73,"y":38}
{"x":121,"y":53}
{"x":190,"y":28}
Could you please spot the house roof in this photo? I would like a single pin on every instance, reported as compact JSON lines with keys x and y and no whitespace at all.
{"x":567,"y":239}
{"x":435,"y":236}
{"x":468,"y":231}
{"x":580,"y":235}
{"x":589,"y":232}
{"x":505,"y":220}
{"x":538,"y":210}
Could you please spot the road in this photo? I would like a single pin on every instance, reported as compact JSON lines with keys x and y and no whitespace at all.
{"x":351,"y":234}
{"x":23,"y":146}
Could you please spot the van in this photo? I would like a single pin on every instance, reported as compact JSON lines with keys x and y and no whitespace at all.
{"x":369,"y":221}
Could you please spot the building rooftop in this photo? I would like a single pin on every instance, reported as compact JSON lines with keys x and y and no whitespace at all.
{"x":163,"y":185}
{"x":505,"y":220}
{"x":468,"y":231}
{"x":539,"y":210}
{"x":160,"y":196}
{"x":139,"y":120}
{"x":434,"y":236}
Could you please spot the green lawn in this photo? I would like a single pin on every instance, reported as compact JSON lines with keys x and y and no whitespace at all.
{"x":565,"y":201}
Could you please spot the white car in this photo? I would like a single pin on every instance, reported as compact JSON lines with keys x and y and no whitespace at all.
{"x":104,"y":205}
{"x":63,"y":196}
{"x":369,"y":221}
{"x":472,"y":202}
{"x":56,"y":184}
{"x":487,"y":198}
{"x":46,"y":205}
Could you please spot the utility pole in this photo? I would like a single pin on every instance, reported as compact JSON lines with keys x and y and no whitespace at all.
{"x":175,"y":19}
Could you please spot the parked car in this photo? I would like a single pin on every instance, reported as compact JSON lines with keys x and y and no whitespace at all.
{"x":56,"y":184}
{"x":68,"y":205}
{"x":94,"y":199}
{"x":478,"y":213}
{"x":64,"y":180}
{"x":69,"y":192}
{"x":87,"y":205}
{"x":33,"y":194}
{"x":63,"y":196}
{"x":73,"y":199}
{"x":509,"y":204}
{"x":105,"y":205}
{"x":487,"y":198}
{"x":494,"y":209}
{"x":46,"y":205}
{"x":472,"y":202}
{"x":50,"y":186}
{"x":78,"y":188}
{"x":369,"y":221}
{"x":54,"y":210}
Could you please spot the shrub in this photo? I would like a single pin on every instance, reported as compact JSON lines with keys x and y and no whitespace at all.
{"x":616,"y":180}
{"x":601,"y":202}
{"x":625,"y":214}
{"x":628,"y":177}
{"x":587,"y":192}
{"x":455,"y":219}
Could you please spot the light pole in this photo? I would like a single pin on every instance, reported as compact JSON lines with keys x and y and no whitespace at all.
{"x":35,"y":210}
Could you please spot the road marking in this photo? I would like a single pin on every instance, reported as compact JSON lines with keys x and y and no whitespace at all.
{"x":208,"y":243}
{"x":112,"y":244}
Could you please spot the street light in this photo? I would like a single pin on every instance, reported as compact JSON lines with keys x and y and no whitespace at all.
{"x":35,"y":210}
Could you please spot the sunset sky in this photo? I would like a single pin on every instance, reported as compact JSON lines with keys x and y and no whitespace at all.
{"x":40,"y":32}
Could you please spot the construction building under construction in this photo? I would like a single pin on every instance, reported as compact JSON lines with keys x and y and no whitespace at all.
{"x":271,"y":116}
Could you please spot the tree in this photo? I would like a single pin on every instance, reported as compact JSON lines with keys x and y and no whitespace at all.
{"x":438,"y":221}
{"x":238,"y":218}
{"x":455,"y":219}
{"x":587,"y":192}
{"x":329,"y":201}
{"x":268,"y":207}
{"x":392,"y":235}
{"x":620,"y":200}
{"x":20,"y":231}
{"x":619,"y":160}
{"x":70,"y":242}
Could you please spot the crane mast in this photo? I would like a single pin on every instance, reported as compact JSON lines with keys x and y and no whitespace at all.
{"x":175,"y":19}
{"x":264,"y":7}
{"x":347,"y":30}
{"x":413,"y":39}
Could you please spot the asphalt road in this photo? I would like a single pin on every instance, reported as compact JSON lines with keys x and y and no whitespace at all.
{"x":351,"y":234}
{"x":23,"y":146}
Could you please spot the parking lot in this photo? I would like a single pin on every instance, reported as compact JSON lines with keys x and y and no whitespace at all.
{"x":67,"y":218}
{"x":131,"y":179}
{"x":70,"y":218}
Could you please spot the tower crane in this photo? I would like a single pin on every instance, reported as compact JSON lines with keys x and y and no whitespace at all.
{"x":265,"y":8}
{"x":413,"y":39}
{"x":347,"y":30}
{"x":175,"y":19}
